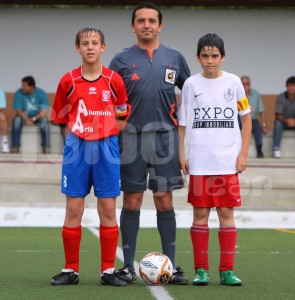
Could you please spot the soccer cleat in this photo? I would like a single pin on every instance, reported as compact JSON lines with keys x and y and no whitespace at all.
{"x":65,"y":278}
{"x":229,"y":278}
{"x":112,"y":279}
{"x":202,"y":277}
{"x":178,"y":277}
{"x":126,"y":274}
{"x":5,"y":147}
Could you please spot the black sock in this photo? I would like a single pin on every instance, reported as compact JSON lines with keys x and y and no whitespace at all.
{"x":129,"y":225}
{"x":166,"y":223}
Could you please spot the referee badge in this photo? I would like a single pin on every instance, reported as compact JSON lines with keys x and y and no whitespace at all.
{"x":170,"y":76}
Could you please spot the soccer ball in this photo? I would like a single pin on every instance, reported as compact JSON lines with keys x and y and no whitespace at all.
{"x":155,"y":268}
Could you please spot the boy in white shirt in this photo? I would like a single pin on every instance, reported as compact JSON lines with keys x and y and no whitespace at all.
{"x":208,"y":117}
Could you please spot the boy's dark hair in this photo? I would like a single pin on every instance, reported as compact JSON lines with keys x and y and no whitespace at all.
{"x":290,"y":80}
{"x":211,"y":40}
{"x":86,"y":30}
{"x":30,"y":81}
{"x":147,"y":5}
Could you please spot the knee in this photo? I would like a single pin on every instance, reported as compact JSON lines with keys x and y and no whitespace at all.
{"x":278,"y":124}
{"x":107,"y":213}
{"x":17,"y":121}
{"x":163,"y":201}
{"x":74,"y":213}
{"x":2,"y":118}
{"x":132,"y":201}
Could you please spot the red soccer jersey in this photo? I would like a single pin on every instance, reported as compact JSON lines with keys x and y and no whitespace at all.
{"x":88,"y":107}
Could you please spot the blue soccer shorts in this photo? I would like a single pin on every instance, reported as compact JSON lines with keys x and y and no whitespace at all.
{"x":88,"y":164}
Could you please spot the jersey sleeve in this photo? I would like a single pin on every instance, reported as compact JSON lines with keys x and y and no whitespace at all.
{"x":2,"y":99}
{"x":114,"y":64}
{"x":260,"y":103}
{"x":119,"y":89}
{"x":242,"y":101}
{"x":17,"y":101}
{"x":59,"y":114}
{"x":279,"y":104}
{"x":44,"y":101}
{"x":184,"y":72}
{"x":122,"y":109}
{"x":182,"y":105}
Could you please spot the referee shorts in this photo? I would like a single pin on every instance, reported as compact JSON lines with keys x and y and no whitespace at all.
{"x":91,"y":163}
{"x":150,"y":159}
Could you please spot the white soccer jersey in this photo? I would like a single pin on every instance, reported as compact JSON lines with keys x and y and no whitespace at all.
{"x":209,"y":109}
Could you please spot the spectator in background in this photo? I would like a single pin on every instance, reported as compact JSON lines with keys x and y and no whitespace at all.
{"x":257,"y":115}
{"x":284,"y":115}
{"x":31,"y":105}
{"x":3,"y":123}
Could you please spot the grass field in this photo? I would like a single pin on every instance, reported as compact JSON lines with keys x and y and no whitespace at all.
{"x":265,"y":262}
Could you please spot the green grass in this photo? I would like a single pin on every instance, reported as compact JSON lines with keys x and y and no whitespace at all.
{"x":265,"y":262}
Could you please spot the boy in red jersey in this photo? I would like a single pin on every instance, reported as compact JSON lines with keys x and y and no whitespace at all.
{"x":208,"y":114}
{"x":87,"y":102}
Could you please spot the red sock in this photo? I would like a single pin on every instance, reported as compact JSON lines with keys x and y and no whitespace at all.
{"x":200,"y":240}
{"x":71,"y":241}
{"x":227,"y":240}
{"x":108,"y":244}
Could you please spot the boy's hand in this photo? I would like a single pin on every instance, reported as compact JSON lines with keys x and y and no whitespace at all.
{"x":241,"y":163}
{"x":183,"y":164}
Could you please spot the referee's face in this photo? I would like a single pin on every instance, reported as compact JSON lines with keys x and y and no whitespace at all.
{"x":146,"y":25}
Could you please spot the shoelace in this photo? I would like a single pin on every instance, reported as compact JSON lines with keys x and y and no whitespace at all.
{"x":178,"y":271}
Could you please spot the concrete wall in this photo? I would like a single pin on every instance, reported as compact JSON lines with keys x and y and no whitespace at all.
{"x":40,"y":41}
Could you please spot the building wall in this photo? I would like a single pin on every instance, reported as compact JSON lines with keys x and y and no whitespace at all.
{"x":40,"y":41}
{"x":268,"y":100}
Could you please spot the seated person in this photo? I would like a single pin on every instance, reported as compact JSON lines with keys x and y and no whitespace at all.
{"x":31,"y":105}
{"x":257,"y":115}
{"x":3,"y":123}
{"x":284,"y":115}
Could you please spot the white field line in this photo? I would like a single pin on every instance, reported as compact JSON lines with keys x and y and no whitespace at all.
{"x":159,"y":292}
{"x":54,"y":217}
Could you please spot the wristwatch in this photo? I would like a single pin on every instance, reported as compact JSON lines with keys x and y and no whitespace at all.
{"x":34,"y":119}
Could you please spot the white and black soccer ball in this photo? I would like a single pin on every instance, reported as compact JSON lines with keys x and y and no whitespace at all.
{"x":155,"y":268}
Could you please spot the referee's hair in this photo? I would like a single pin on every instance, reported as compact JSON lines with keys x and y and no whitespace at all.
{"x":147,"y":5}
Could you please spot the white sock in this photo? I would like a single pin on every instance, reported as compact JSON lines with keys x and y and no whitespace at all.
{"x":109,"y":271}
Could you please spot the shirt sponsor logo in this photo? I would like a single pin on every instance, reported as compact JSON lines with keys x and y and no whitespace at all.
{"x":83,"y":111}
{"x":213,"y":118}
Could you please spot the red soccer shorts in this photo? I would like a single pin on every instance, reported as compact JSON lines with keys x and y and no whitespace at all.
{"x":214,"y":191}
